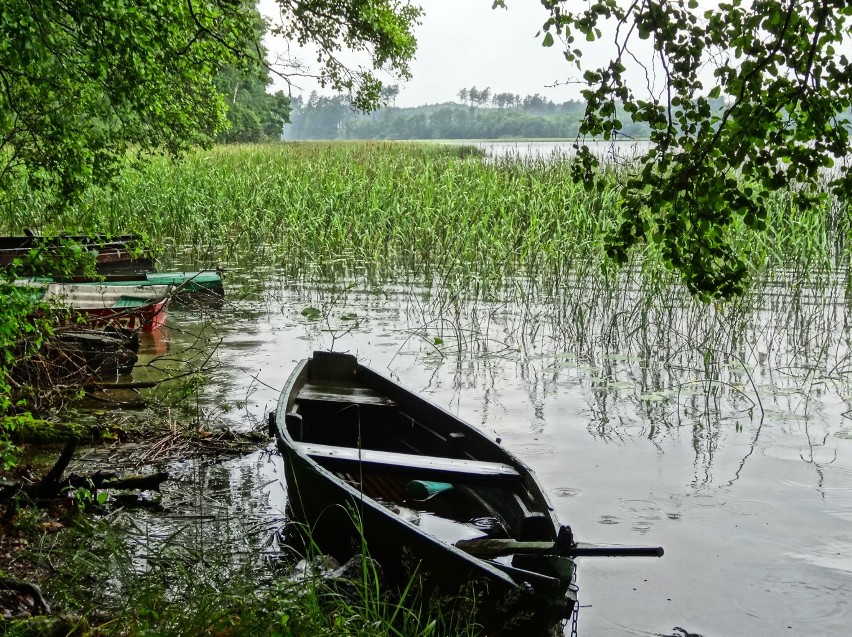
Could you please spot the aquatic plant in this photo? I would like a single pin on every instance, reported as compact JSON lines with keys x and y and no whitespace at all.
{"x":174,"y":581}
{"x":420,"y":208}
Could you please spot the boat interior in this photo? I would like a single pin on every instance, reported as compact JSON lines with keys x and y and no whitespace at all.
{"x":448,"y":484}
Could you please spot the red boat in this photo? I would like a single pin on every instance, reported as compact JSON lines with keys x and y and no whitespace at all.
{"x":147,"y":317}
{"x":100,"y":306}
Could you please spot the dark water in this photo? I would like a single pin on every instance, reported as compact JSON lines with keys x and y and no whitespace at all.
{"x":722,"y":434}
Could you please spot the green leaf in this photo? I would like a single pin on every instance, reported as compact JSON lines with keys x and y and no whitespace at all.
{"x":311,"y":313}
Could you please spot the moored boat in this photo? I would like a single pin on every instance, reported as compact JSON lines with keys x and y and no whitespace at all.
{"x":203,"y":285}
{"x":368,"y":461}
{"x":74,"y":357}
{"x":130,"y":313}
{"x":122,"y":253}
{"x":100,"y":306}
{"x":99,"y":352}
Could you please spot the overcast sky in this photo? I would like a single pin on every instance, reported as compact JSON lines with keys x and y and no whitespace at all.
{"x":464,"y":43}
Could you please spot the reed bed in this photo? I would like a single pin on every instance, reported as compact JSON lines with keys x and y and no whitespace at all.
{"x":401,"y":206}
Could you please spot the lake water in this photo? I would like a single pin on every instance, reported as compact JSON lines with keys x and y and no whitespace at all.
{"x":620,"y":151}
{"x":721,"y":434}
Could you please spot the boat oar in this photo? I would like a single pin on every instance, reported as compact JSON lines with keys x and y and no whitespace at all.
{"x":497,"y":547}
{"x":595,"y":550}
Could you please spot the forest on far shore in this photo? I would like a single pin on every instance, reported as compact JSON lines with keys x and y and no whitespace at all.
{"x":479,"y":114}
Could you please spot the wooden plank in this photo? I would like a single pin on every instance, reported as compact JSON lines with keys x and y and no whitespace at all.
{"x":412,"y":464}
{"x":342,"y":392}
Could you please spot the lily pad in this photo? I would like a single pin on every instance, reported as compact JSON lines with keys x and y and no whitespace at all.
{"x":621,"y":384}
{"x":311,"y":313}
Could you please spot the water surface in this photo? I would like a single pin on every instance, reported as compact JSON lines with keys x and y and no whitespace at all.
{"x":722,"y":434}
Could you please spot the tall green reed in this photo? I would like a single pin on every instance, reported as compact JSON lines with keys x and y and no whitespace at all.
{"x":387,"y":206}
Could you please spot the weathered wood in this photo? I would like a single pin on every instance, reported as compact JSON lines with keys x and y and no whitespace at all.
{"x":347,"y":469}
{"x":109,"y":480}
{"x":30,"y":590}
{"x":132,"y":385}
{"x":409,"y":463}
{"x":49,"y":485}
{"x":51,"y":488}
{"x":342,"y":392}
{"x":113,"y":254}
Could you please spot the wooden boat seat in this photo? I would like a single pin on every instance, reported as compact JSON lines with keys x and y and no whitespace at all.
{"x":410,"y":464}
{"x":342,"y":392}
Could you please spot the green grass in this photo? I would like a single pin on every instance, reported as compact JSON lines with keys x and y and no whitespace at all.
{"x":110,"y":578}
{"x":403,"y":206}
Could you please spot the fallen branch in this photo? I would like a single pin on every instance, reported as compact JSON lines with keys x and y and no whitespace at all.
{"x":133,"y":385}
{"x":108,"y":480}
{"x":47,"y":489}
{"x":25,"y":588}
{"x":49,"y":484}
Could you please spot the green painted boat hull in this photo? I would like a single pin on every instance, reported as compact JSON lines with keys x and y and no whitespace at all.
{"x":203,"y":282}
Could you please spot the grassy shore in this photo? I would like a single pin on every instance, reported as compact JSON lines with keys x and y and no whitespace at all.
{"x":109,"y":577}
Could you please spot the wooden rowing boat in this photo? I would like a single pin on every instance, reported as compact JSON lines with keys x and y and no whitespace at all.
{"x":113,"y":254}
{"x":367,"y":458}
{"x":126,"y":301}
{"x":95,"y":306}
{"x":371,"y":466}
{"x":73,"y":357}
{"x":129,"y":313}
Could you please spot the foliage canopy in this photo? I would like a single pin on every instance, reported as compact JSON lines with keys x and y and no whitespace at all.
{"x":784,"y":73}
{"x":86,"y":84}
{"x":84,"y":81}
{"x":379,"y":28}
{"x":254,"y":115}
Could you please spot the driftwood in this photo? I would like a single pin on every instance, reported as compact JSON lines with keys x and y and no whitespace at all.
{"x":52,"y":485}
{"x":32,"y":591}
{"x":95,"y":481}
{"x":109,"y":480}
{"x":49,"y":484}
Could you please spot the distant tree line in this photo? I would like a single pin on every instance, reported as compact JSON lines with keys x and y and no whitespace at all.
{"x":480,"y":114}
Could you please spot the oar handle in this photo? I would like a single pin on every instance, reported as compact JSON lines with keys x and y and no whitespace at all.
{"x":587,"y":550}
{"x":490,"y":548}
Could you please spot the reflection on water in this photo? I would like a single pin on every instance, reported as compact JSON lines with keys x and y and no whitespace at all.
{"x":614,"y":152}
{"x":717,"y":432}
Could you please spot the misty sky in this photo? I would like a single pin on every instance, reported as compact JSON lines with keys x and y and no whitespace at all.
{"x":464,"y":43}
